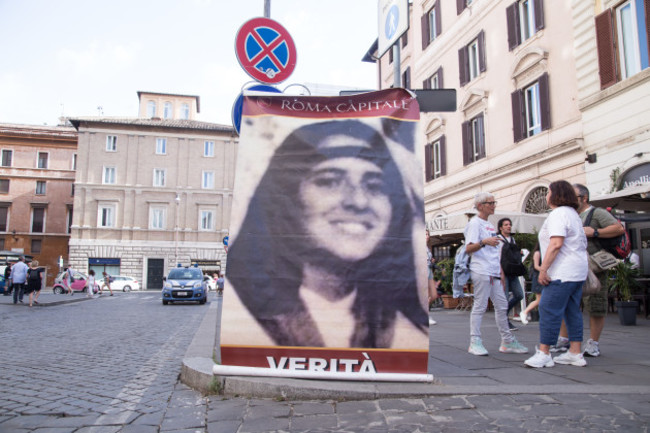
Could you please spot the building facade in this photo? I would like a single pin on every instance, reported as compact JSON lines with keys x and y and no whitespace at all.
{"x":152,"y":193}
{"x":518,"y":125}
{"x":37,"y":175}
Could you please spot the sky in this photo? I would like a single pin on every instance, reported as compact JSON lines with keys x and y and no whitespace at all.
{"x":69,"y":57}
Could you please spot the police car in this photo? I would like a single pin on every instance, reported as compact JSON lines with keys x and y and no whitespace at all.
{"x":185,"y":284}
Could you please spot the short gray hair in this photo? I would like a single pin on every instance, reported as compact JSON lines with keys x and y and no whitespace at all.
{"x":482,"y":197}
{"x":582,"y":190}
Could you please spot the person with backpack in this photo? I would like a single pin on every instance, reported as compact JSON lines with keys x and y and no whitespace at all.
{"x":34,"y":282}
{"x":511,"y":266}
{"x":106,"y":282}
{"x":598,"y":224}
{"x":482,"y":242}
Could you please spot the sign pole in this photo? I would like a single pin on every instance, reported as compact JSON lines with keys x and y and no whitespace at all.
{"x":267,"y":8}
{"x":397,"y":76}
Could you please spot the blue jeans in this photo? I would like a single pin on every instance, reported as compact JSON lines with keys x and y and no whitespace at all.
{"x":561,"y":300}
{"x":513,"y":285}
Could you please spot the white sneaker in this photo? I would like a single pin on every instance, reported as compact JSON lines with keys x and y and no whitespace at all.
{"x":476,"y":347}
{"x":591,"y":348}
{"x":562,"y":345}
{"x":524,"y":318}
{"x":432,"y":322}
{"x":539,"y":360}
{"x":569,"y":358}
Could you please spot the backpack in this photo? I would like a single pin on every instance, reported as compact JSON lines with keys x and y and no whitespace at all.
{"x":34,"y":275}
{"x":619,"y":246}
{"x":511,"y":259}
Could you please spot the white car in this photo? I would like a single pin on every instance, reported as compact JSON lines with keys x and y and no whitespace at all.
{"x":212,"y":283}
{"x":121,"y":282}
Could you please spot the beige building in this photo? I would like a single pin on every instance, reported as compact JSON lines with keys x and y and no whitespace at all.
{"x":518,"y":125}
{"x":152,"y":192}
{"x":37,"y":172}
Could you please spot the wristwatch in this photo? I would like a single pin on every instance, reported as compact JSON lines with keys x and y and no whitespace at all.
{"x":596,"y":234}
{"x":481,"y":243}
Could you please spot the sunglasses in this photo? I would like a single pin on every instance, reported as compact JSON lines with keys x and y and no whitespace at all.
{"x":491,"y":203}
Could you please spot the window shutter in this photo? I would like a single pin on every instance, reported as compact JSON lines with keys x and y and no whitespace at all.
{"x":426,"y":84}
{"x":539,"y":15}
{"x":463,"y":66}
{"x":441,"y":84}
{"x":544,"y":102}
{"x":406,"y":78}
{"x":460,"y":6}
{"x":390,"y":55}
{"x":481,"y":137}
{"x":425,"y":30}
{"x":605,"y":45}
{"x":428,"y":159}
{"x":467,"y":145}
{"x":512,"y":19}
{"x":517,"y":115}
{"x":443,"y":156}
{"x":405,"y":39}
{"x":439,"y":18}
{"x":481,"y":52}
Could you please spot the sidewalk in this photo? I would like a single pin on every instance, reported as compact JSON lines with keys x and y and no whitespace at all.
{"x":46,"y":299}
{"x":623,"y":367}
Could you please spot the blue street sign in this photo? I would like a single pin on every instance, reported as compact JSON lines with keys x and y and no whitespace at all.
{"x":392,"y":18}
{"x":239,"y":103}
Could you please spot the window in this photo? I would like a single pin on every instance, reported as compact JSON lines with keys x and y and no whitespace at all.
{"x":42,"y":159}
{"x":161,"y":146}
{"x":524,"y":19}
{"x":471,"y":59}
{"x":36,"y":246}
{"x":167,"y":110}
{"x":185,"y":111}
{"x":207,"y":220}
{"x":38,"y":220}
{"x":531,"y":113}
{"x":69,"y":219}
{"x":473,"y":140}
{"x":622,"y":41}
{"x":4,"y":186}
{"x":72,"y":190}
{"x":40,"y":187}
{"x":434,"y":81}
{"x":151,"y":109}
{"x":406,"y":78}
{"x":405,"y":39}
{"x":4,"y":218}
{"x":106,"y":215}
{"x":7,"y":156}
{"x":159,"y":177}
{"x":461,"y":5}
{"x":435,"y":157}
{"x":74,"y":161}
{"x":109,"y":176}
{"x":111,"y":143}
{"x":157,"y":218}
{"x":208,"y":148}
{"x":431,"y":25}
{"x":208,"y":180}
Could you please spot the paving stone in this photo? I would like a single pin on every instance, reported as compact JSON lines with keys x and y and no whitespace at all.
{"x":309,"y":422}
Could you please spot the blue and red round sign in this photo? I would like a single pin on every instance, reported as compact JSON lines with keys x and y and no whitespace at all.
{"x":265,"y":50}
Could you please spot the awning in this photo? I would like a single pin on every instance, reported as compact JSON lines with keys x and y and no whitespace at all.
{"x":447,"y":229}
{"x":634,"y":198}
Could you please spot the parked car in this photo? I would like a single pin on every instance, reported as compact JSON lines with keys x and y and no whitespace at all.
{"x":185,"y":284}
{"x":122,"y":282}
{"x":3,"y":284}
{"x":212,"y":283}
{"x":78,"y":283}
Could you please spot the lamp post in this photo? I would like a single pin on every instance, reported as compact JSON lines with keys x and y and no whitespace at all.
{"x":177,"y":200}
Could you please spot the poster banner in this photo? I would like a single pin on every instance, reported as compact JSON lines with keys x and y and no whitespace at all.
{"x":327,"y":265}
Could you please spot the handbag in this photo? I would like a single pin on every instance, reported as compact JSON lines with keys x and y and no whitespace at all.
{"x":591,"y":285}
{"x":601,"y":261}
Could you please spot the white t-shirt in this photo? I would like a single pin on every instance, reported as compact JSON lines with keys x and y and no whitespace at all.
{"x":570,"y":264}
{"x":487,"y":260}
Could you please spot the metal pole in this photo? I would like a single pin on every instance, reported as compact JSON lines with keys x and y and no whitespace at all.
{"x":178,"y":202}
{"x":397,"y":76}
{"x":267,"y":8}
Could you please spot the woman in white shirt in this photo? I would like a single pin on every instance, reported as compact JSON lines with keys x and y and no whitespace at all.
{"x":563,"y":246}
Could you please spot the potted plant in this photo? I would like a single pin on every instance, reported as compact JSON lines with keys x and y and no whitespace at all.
{"x":622,"y":282}
{"x":445,"y":273}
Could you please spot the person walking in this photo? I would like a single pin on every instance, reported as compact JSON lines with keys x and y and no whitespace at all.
{"x":511,"y":283}
{"x":8,"y":279}
{"x":563,"y":246}
{"x":68,"y":279}
{"x":18,"y":279}
{"x":481,"y":242}
{"x":602,"y":225}
{"x":34,"y":282}
{"x":106,"y":282}
{"x":432,"y":283}
{"x":536,"y":287}
{"x":90,"y":284}
{"x":220,"y":283}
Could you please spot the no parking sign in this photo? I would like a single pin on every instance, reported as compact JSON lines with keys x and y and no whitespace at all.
{"x":265,"y":50}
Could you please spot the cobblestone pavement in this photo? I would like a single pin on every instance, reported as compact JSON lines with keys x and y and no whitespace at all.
{"x":111,"y":365}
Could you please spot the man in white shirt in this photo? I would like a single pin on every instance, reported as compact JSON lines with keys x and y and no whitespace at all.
{"x":485,"y":268}
{"x":19,"y":278}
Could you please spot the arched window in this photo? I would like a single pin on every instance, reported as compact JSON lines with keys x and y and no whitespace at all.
{"x":185,"y":111}
{"x":536,"y":201}
{"x":151,"y":109}
{"x":167,"y":111}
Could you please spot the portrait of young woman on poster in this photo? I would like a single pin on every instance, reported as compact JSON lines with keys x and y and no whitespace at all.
{"x":324,"y":253}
